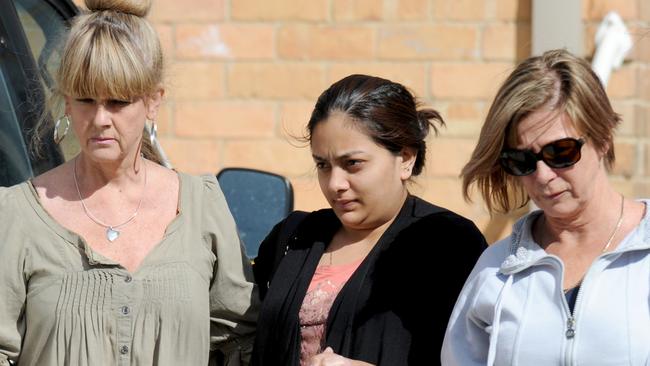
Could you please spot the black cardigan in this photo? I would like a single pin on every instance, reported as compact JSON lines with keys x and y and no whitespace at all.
{"x":379,"y":316}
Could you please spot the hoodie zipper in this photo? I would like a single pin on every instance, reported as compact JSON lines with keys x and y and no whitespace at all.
{"x":570,"y":331}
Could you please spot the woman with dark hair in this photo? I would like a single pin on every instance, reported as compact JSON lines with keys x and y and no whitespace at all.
{"x":343,"y":286}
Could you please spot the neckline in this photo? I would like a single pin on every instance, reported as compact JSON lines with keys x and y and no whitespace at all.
{"x":526,"y":225}
{"x":354,"y":263}
{"x":31,"y":194}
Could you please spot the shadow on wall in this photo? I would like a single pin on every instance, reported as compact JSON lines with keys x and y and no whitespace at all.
{"x":523,"y":29}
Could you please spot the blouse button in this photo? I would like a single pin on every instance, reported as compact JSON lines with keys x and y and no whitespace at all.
{"x":124,"y":350}
{"x":128,"y":278}
{"x":125,"y":310}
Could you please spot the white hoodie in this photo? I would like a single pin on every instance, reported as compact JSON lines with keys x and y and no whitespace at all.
{"x":512,"y":310}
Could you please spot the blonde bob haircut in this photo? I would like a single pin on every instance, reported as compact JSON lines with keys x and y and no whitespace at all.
{"x":556,"y":80}
{"x":112,"y":51}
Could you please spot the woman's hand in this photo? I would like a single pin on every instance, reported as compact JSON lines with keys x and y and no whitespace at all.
{"x":329,"y":358}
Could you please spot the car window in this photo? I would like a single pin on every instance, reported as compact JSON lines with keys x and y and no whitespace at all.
{"x":14,"y":165}
{"x":45,"y":28}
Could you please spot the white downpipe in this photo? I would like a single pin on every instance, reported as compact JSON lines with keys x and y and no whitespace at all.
{"x":613,"y":43}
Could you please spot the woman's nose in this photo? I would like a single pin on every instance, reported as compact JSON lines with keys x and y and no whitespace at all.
{"x":338,"y":180}
{"x":102,"y":116}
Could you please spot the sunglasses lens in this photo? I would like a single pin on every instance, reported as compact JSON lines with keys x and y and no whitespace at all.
{"x":562,"y":153}
{"x":518,"y":162}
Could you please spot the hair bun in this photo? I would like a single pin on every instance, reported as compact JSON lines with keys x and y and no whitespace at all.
{"x":138,"y":8}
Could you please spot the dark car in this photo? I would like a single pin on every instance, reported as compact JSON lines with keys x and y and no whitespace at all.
{"x":30,"y":31}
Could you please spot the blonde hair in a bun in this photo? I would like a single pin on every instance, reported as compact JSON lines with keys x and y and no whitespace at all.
{"x":139,"y":8}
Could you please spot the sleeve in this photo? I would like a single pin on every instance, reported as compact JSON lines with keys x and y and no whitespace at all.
{"x":234,"y":300}
{"x":263,"y":266}
{"x":467,"y":338}
{"x":13,"y":287}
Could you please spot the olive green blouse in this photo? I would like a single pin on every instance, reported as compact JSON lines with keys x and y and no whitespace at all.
{"x":61,"y":303}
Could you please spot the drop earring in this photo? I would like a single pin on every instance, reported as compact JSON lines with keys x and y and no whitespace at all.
{"x":59,"y":137}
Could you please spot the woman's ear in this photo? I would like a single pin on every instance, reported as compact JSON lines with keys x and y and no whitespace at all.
{"x":602,"y":152}
{"x":67,"y":100}
{"x":153,"y":103}
{"x":408,"y":156}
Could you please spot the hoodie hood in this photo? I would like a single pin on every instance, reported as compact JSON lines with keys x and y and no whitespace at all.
{"x":525,"y":252}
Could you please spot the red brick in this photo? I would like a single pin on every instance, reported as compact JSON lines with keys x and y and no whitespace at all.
{"x":468,"y":80}
{"x":293,"y":120}
{"x":355,"y":10}
{"x":622,"y":82}
{"x":646,"y":160}
{"x":447,"y":156}
{"x":272,"y":155}
{"x":230,"y":41}
{"x":372,"y":10}
{"x":166,"y":36}
{"x":597,"y":9}
{"x":192,"y":80}
{"x":510,"y":41}
{"x":640,"y":35}
{"x":194,"y":156}
{"x":625,"y":159}
{"x":307,"y":193}
{"x":513,"y":10}
{"x":627,"y":110}
{"x":413,"y":10}
{"x":643,"y":80}
{"x":412,"y":75}
{"x":164,"y":119}
{"x":326,"y":42}
{"x":465,"y":110}
{"x":179,"y":11}
{"x":314,"y":10}
{"x":644,"y":10}
{"x":459,"y":9}
{"x":286,"y":80}
{"x":424,"y":42}
{"x":445,"y":192}
{"x":224,"y":119}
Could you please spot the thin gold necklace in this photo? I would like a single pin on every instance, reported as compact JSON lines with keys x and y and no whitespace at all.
{"x":609,"y":241}
{"x":618,"y":226}
{"x":111,"y":230}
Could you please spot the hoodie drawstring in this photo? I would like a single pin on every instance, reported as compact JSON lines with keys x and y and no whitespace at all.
{"x":494,"y":334}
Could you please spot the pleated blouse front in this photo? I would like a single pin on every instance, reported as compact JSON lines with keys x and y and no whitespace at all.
{"x":64,"y":304}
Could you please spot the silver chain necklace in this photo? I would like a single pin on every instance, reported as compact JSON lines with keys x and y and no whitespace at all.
{"x":111,"y":230}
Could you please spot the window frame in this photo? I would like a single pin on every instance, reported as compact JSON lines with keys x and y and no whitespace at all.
{"x":24,"y":80}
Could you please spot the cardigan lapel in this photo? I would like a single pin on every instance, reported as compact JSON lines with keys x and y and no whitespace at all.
{"x":356,"y":292}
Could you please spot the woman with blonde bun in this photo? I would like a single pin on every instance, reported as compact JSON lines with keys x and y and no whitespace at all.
{"x":111,"y":258}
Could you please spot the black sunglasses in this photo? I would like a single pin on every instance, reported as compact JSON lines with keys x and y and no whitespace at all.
{"x":557,"y":154}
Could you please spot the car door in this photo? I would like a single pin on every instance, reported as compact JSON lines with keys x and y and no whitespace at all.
{"x":30,"y":32}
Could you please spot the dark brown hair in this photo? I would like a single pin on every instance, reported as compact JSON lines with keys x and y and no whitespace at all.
{"x":385,"y":110}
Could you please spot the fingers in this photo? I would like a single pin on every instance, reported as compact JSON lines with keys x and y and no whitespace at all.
{"x":328,"y":358}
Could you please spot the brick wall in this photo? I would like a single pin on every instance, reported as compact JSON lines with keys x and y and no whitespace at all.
{"x":243,"y":76}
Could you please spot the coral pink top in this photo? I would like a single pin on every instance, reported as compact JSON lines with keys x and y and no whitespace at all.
{"x":323,"y":289}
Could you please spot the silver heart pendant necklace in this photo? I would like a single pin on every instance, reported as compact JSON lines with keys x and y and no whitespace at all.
{"x":112,"y":232}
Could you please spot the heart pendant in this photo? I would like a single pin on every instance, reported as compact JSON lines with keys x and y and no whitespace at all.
{"x":112,"y":234}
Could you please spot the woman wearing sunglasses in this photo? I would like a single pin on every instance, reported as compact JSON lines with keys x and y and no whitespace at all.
{"x":571,"y":284}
